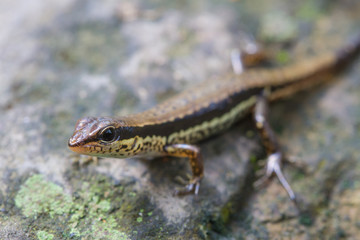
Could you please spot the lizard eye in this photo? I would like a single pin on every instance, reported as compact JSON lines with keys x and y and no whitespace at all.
{"x":108,"y":134}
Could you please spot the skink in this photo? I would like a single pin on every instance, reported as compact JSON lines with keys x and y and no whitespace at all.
{"x":171,"y":128}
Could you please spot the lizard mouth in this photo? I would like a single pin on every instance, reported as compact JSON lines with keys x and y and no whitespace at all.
{"x":75,"y":146}
{"x":87,"y":148}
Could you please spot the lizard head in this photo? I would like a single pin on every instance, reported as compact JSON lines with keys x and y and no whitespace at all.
{"x":103,"y":137}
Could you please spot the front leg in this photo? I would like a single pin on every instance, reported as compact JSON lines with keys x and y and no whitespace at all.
{"x":275,"y":156}
{"x":196,"y":163}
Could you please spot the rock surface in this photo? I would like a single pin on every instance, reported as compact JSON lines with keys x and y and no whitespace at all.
{"x":62,"y":60}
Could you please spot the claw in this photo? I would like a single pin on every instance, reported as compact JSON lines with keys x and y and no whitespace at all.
{"x":236,"y":62}
{"x":84,"y":161}
{"x":273,"y":167}
{"x":192,"y":187}
{"x":193,"y":153}
{"x":197,"y":187}
{"x":275,"y":156}
{"x":181,"y":180}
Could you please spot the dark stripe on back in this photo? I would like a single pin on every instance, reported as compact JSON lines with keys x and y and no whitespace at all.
{"x":215,"y":109}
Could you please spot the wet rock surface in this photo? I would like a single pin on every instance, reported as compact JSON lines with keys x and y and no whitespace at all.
{"x":63,"y":60}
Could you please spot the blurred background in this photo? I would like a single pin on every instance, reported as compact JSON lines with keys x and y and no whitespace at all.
{"x":63,"y":60}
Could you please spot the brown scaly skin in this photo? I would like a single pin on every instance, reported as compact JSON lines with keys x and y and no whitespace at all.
{"x":170,"y":128}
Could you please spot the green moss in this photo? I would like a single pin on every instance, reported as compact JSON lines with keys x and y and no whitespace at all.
{"x":250,"y":133}
{"x":306,"y":219}
{"x":139,"y":219}
{"x":102,"y":229}
{"x":282,"y":57}
{"x":310,"y":10}
{"x":74,"y":232}
{"x":132,"y":194}
{"x":98,"y":209}
{"x":186,"y":46}
{"x":42,"y":235}
{"x":225,"y":212}
{"x":276,"y":26}
{"x":92,"y":208}
{"x":37,"y":196}
{"x":253,"y":159}
{"x":88,"y":214}
{"x":88,"y":46}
